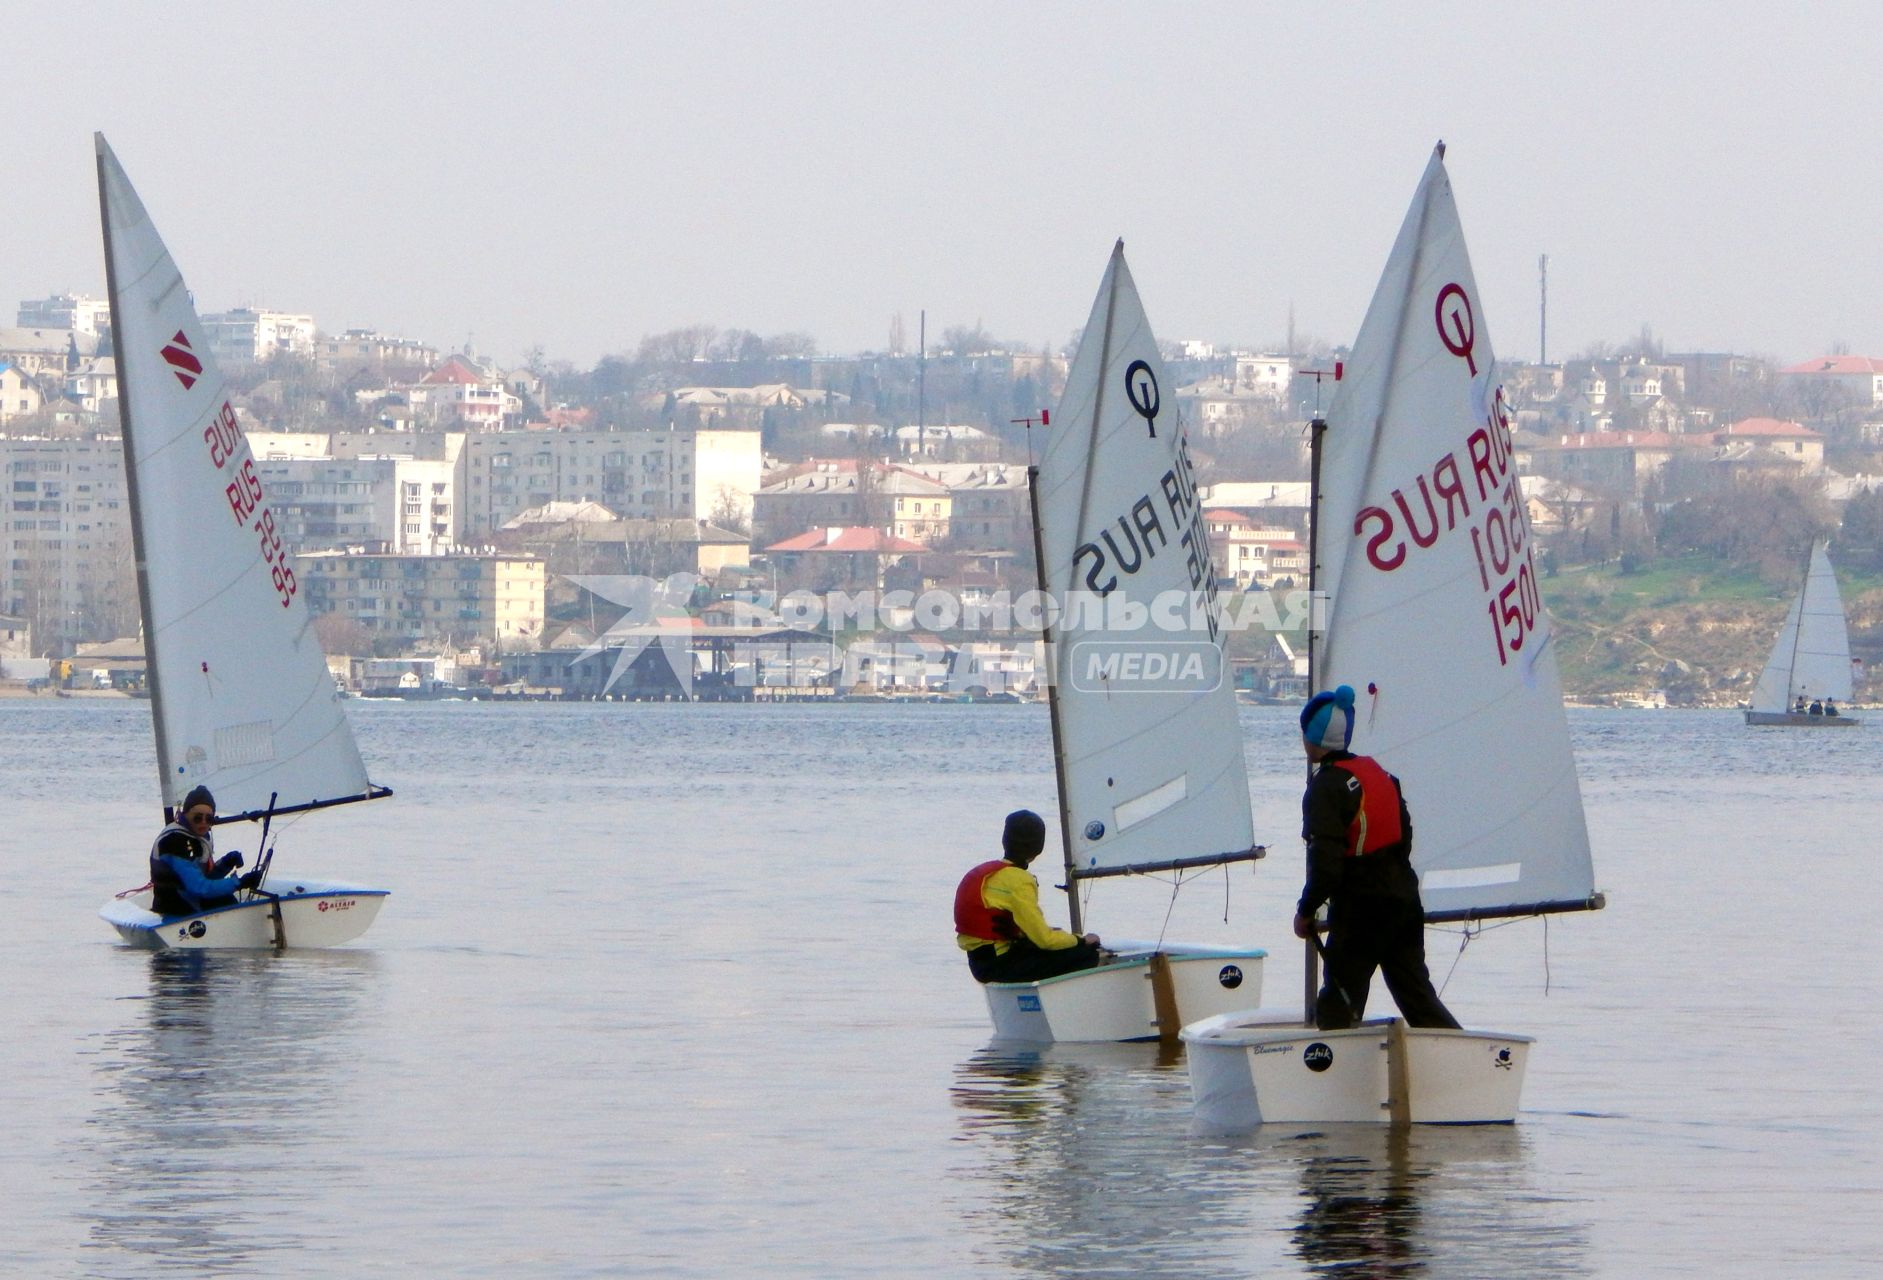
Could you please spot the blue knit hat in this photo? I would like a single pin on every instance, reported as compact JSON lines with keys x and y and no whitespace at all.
{"x":1327,"y":720}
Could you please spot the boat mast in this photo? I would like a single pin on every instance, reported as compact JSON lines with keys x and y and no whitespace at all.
{"x":1317,"y":427}
{"x":135,"y":498}
{"x":1051,"y":665}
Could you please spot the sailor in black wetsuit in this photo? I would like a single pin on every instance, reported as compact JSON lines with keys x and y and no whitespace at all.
{"x":1359,"y":835}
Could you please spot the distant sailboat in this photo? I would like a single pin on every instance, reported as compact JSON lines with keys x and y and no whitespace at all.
{"x":1423,"y":550}
{"x":241,"y":698}
{"x":1146,"y":741}
{"x":1810,"y":662}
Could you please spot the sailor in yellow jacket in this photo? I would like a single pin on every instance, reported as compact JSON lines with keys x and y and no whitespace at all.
{"x":998,"y":920}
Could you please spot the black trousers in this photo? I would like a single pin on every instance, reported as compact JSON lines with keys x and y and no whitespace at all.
{"x":1025,"y":962}
{"x":1386,"y":934}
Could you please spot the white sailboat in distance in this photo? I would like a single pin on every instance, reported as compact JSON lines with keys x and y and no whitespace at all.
{"x":1147,"y":748}
{"x":1424,"y":551}
{"x":1810,"y":663}
{"x":240,"y":696}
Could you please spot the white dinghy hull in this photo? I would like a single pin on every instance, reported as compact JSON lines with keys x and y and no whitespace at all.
{"x":1118,"y":1000}
{"x":1250,"y":1069}
{"x":313,"y":915}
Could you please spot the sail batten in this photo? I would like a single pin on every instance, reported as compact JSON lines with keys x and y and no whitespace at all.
{"x":1434,"y":613}
{"x":242,"y":702}
{"x":1150,"y":751}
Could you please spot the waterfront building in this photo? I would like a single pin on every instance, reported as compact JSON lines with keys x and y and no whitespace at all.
{"x":492,"y":600}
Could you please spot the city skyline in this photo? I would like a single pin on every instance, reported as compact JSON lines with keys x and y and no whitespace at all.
{"x":599,"y":173}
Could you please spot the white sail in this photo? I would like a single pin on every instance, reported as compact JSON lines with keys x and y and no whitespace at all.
{"x":240,"y":691}
{"x":1152,"y":766}
{"x":1434,"y":614}
{"x":1812,"y":657}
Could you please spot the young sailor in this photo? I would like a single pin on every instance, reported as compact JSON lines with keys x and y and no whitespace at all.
{"x":998,"y":921}
{"x":1359,"y":835}
{"x":185,"y":875}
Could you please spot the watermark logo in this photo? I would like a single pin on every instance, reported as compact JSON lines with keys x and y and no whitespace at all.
{"x":958,"y":641}
{"x":653,"y":614}
{"x":1146,"y":666}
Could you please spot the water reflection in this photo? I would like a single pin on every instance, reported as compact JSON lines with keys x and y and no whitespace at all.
{"x":221,"y":1092}
{"x":1084,"y":1165}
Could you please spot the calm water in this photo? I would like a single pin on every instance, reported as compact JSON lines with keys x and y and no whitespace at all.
{"x":672,"y":992}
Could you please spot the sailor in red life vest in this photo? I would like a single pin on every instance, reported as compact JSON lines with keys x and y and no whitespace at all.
{"x":1359,"y":835}
{"x":998,"y":921}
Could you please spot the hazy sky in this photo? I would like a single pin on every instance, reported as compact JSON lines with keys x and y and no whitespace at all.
{"x":579,"y":175}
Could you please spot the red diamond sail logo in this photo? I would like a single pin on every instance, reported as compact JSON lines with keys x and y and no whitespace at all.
{"x":182,"y":361}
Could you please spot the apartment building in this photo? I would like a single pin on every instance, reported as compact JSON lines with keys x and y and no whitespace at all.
{"x":248,"y":336}
{"x":641,"y":475}
{"x":845,"y":493}
{"x":65,"y":542}
{"x":493,"y":600}
{"x":66,"y":311}
{"x":368,"y":348}
{"x":402,"y":506}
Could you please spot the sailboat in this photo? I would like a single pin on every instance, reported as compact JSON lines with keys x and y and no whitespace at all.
{"x":1810,"y":661}
{"x":1423,"y":550}
{"x":1146,"y":745}
{"x":241,"y":698}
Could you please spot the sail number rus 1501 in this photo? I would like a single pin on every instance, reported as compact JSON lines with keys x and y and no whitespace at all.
{"x":1442,"y":503}
{"x":244,"y":492}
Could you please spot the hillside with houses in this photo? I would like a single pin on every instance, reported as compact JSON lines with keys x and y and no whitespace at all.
{"x":450,"y":508}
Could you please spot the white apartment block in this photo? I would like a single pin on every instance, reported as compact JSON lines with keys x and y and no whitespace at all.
{"x":382,"y":504}
{"x":247,"y":336}
{"x":66,"y":311}
{"x":65,"y":540}
{"x":639,"y":475}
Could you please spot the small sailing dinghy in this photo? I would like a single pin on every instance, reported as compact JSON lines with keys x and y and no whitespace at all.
{"x":1147,"y":748}
{"x":241,"y":698}
{"x":1810,"y":663}
{"x":1424,"y":553}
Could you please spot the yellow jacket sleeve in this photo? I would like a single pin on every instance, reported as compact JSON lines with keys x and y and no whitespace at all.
{"x":1015,"y":891}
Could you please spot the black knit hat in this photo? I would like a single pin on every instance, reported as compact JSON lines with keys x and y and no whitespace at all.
{"x":197,"y":795}
{"x":1024,"y":835}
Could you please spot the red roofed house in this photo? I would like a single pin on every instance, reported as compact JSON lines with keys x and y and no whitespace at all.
{"x":1252,"y":555}
{"x":1789,"y":440}
{"x":1611,"y":461}
{"x":1855,"y":380}
{"x":458,"y":391}
{"x":822,"y":559}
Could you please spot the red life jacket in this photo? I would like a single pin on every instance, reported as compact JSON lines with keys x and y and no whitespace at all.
{"x":1376,"y":825}
{"x":973,"y":917}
